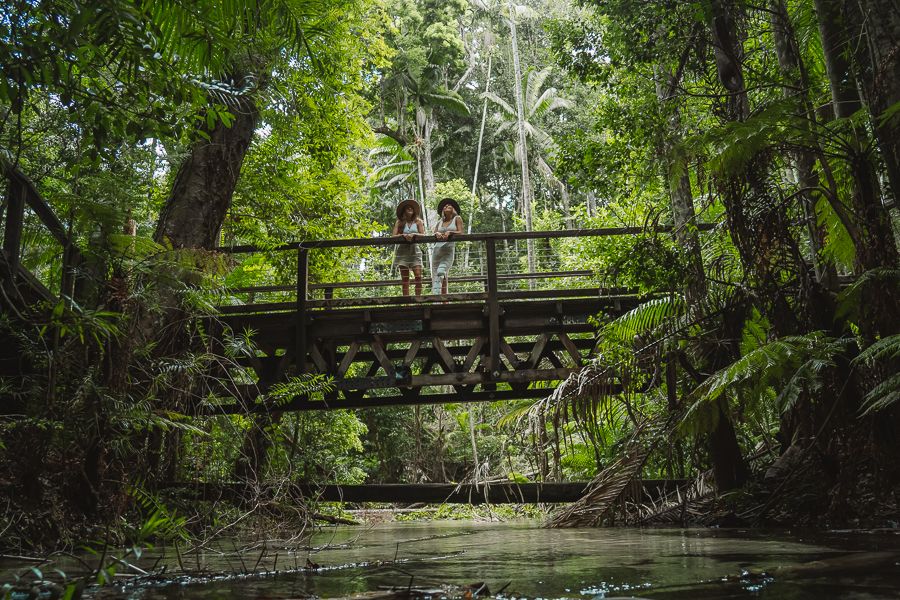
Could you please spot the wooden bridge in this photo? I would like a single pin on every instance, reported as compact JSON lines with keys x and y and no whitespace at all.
{"x":499,"y":335}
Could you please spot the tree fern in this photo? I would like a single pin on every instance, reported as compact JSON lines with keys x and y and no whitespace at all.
{"x":794,"y":363}
{"x":886,"y":393}
{"x":878,"y":281}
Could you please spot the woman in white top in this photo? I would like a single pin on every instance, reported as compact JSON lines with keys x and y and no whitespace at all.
{"x":443,"y":252}
{"x":408,"y":255}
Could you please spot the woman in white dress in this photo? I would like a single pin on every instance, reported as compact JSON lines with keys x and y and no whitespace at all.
{"x":442,"y":254}
{"x":408,"y":255}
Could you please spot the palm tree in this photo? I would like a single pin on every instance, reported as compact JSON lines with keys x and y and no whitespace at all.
{"x":534,"y":144}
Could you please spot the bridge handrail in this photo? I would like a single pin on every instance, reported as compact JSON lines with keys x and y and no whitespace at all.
{"x":469,"y":237}
{"x":21,"y":193}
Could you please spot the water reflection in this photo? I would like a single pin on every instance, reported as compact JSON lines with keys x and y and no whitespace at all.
{"x":526,"y":561}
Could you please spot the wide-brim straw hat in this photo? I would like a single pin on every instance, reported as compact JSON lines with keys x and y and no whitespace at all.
{"x":445,"y":201}
{"x":402,"y":207}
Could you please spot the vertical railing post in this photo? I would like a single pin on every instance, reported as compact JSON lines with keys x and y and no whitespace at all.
{"x":15,"y":221}
{"x":493,"y":308}
{"x":302,"y":289}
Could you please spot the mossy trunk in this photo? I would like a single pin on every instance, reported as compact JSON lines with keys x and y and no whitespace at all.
{"x":201,"y":196}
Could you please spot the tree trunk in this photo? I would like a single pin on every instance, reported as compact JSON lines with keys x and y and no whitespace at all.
{"x":877,"y":22}
{"x":758,"y":223}
{"x":566,"y":205}
{"x":729,"y":468}
{"x":254,"y":456}
{"x":803,"y":160}
{"x":487,"y":88}
{"x":682,"y":200}
{"x":527,"y":193}
{"x":195,"y":210}
{"x":428,"y":126}
{"x":201,"y":197}
{"x":869,"y":223}
{"x":836,"y":47}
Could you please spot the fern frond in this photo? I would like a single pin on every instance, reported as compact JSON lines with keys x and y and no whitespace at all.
{"x":882,"y":396}
{"x":883,"y":280}
{"x":794,"y":363}
{"x":303,"y":385}
{"x":884,"y":349}
{"x":514,"y":415}
{"x":643,"y":319}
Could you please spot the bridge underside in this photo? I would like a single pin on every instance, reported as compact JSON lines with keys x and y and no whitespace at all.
{"x":467,"y":348}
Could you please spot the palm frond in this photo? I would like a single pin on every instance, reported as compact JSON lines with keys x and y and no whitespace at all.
{"x":448,"y":100}
{"x":534,"y":81}
{"x":548,"y":102}
{"x":887,"y":348}
{"x":508,"y":110}
{"x":304,"y":385}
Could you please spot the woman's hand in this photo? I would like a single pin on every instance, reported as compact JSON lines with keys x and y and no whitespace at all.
{"x":409,"y":236}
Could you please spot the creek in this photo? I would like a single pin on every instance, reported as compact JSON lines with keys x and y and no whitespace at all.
{"x":522,"y":560}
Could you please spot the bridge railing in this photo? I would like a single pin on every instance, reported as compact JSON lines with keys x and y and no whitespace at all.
{"x":485,"y":263}
{"x":37,"y":247}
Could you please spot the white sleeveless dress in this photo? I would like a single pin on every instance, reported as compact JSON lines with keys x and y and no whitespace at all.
{"x":442,"y":256}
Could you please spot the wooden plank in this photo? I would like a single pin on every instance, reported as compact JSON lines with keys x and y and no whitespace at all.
{"x":408,"y":355}
{"x":412,"y":352}
{"x":554,"y":360}
{"x":378,"y":349}
{"x":15,"y":221}
{"x":348,"y":358}
{"x":317,"y":358}
{"x":537,"y":352}
{"x":395,"y":300}
{"x":378,"y":283}
{"x":571,"y":348}
{"x":355,"y":399}
{"x":40,"y":207}
{"x":511,"y":356}
{"x":589,"y":292}
{"x":447,"y":362}
{"x":473,"y":354}
{"x":381,"y":283}
{"x":521,"y":377}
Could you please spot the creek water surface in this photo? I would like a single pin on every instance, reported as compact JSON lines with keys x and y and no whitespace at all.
{"x":527,"y":561}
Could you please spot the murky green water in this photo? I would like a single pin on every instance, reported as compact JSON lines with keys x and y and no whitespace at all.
{"x":529,"y":562}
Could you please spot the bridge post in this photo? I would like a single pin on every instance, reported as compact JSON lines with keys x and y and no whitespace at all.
{"x":15,"y":220}
{"x":300,"y":344}
{"x":493,"y":308}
